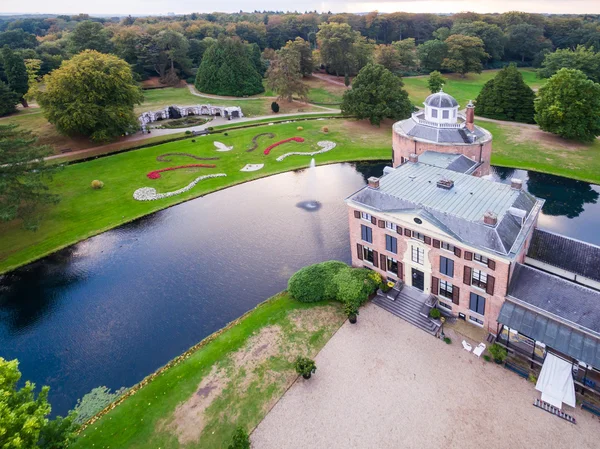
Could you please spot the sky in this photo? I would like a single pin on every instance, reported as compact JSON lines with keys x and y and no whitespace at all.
{"x":154,"y":7}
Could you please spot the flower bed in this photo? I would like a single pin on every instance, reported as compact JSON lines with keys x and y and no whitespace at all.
{"x":165,"y":157}
{"x":295,"y":139}
{"x":255,"y":138}
{"x":149,"y":193}
{"x":326,"y":146}
{"x":156,"y":173}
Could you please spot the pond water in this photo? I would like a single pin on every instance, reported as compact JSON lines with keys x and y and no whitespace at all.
{"x":114,"y":308}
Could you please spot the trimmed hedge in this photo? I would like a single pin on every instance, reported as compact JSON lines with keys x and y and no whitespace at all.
{"x":333,"y":280}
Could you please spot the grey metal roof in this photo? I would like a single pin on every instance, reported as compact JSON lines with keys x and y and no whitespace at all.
{"x":566,"y":253}
{"x":459,"y":211}
{"x":441,"y":100}
{"x":412,"y":128}
{"x":560,"y":297}
{"x":553,"y":333}
{"x":455,"y":162}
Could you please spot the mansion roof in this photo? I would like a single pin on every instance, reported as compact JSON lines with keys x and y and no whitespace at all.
{"x":455,"y":162}
{"x":566,"y":253}
{"x":458,"y":211}
{"x":419,"y":128}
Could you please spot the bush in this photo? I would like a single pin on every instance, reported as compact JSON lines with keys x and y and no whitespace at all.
{"x":385,"y":287}
{"x":240,"y":440}
{"x":94,"y":402}
{"x":305,"y":366}
{"x":193,"y":140}
{"x":275,"y":107}
{"x":97,"y":185}
{"x":225,"y":134}
{"x":354,"y":285}
{"x":350,"y":309}
{"x":315,"y":282}
{"x":532,"y":378}
{"x":487,"y":358}
{"x":435,"y":314}
{"x":325,"y":129}
{"x":447,"y":340}
{"x":188,"y":132}
{"x":498,"y":353}
{"x":210,"y":128}
{"x":299,"y":128}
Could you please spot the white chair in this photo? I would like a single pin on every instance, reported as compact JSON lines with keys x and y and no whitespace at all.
{"x":479,"y":349}
{"x":466,"y":346}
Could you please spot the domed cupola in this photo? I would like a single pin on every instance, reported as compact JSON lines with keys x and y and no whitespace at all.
{"x":441,"y":108}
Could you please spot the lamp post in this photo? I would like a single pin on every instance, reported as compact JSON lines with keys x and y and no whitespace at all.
{"x":442,"y":320}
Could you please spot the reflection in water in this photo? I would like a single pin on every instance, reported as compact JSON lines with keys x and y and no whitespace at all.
{"x":368,"y":169}
{"x":504,"y":173}
{"x":563,"y":196}
{"x":112,"y":309}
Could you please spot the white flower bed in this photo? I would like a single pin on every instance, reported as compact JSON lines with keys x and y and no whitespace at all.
{"x":222,"y":147}
{"x":149,"y":193}
{"x":326,"y":145}
{"x":252,"y":167}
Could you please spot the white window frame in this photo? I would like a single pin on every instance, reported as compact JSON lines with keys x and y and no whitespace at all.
{"x":391,"y":226}
{"x":482,"y":278}
{"x":448,"y":284}
{"x":481,"y":262}
{"x":445,"y":305}
{"x":366,"y":249}
{"x":417,"y":236}
{"x":365,"y":216}
{"x":442,"y":243}
{"x":420,"y":253}
{"x":388,"y":258}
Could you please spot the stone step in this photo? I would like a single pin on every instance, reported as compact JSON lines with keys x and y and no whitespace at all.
{"x":409,"y":310}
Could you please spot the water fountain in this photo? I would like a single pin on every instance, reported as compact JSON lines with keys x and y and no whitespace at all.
{"x":311,"y":204}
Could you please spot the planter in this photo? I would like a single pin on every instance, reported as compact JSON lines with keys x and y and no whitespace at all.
{"x":498,"y":361}
{"x":306,"y":376}
{"x":352,"y":319}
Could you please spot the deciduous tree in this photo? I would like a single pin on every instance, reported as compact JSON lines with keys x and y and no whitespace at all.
{"x":435,"y":82}
{"x":93,"y":95}
{"x":16,"y":73}
{"x":89,"y":35}
{"x":491,"y":35}
{"x":525,"y":40}
{"x":284,"y":76}
{"x":306,"y":57}
{"x":431,"y":54}
{"x":376,"y":94}
{"x":336,"y":42}
{"x":569,"y":105}
{"x":407,"y":54}
{"x":465,"y":54}
{"x":387,"y":56}
{"x":582,"y":58}
{"x":506,"y":97}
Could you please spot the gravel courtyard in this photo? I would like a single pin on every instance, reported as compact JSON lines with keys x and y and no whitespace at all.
{"x":383,"y":383}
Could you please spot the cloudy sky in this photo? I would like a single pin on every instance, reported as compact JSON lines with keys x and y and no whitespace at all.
{"x":141,"y":7}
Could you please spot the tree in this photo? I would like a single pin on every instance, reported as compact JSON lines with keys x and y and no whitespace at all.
{"x":346,"y":80}
{"x":435,"y":82}
{"x":569,"y":105}
{"x":387,"y":56}
{"x":406,"y":53}
{"x":172,"y":47}
{"x":465,"y":54}
{"x":23,"y":177}
{"x":256,"y":58}
{"x":507,"y":97}
{"x":376,"y":94}
{"x":491,"y":35}
{"x":431,"y":54}
{"x":226,"y":69}
{"x":336,"y":42}
{"x":582,"y":58}
{"x":33,"y":67}
{"x":16,"y":73}
{"x":525,"y":40}
{"x":240,"y":439}
{"x":18,"y":39}
{"x":23,"y":416}
{"x":284,"y":76}
{"x":306,"y":57}
{"x":93,"y":95}
{"x":8,"y":100}
{"x":89,"y":35}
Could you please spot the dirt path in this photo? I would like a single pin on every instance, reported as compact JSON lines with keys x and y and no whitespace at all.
{"x":330,"y":79}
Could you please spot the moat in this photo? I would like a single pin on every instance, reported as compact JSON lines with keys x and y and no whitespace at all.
{"x":112,"y":309}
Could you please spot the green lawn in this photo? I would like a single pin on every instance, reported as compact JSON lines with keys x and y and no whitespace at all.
{"x":540,"y":151}
{"x":84,"y":212}
{"x":245,"y":391}
{"x":463,"y":89}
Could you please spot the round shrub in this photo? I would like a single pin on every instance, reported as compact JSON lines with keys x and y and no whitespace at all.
{"x":225,"y":134}
{"x":299,"y":128}
{"x":435,"y":314}
{"x":210,"y":128}
{"x":354,"y":285}
{"x":325,"y":129}
{"x":188,"y":132}
{"x":315,"y":282}
{"x":275,"y":107}
{"x":193,"y":140}
{"x":97,"y":185}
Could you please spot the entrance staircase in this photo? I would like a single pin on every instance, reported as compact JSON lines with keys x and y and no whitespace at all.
{"x":409,"y":304}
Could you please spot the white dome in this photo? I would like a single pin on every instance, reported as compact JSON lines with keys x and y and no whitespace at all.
{"x":441,"y":100}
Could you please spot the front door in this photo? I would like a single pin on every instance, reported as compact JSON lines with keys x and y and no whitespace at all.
{"x":418,"y":279}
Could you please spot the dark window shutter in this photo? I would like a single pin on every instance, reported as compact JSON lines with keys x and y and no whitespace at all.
{"x":373,"y":220}
{"x":436,"y":243}
{"x":489,"y":289}
{"x":383,"y":263}
{"x":427,"y":240}
{"x":359,"y":250}
{"x":356,"y":214}
{"x":376,"y":259}
{"x":400,"y":271}
{"x":455,"y":294}
{"x":381,"y":224}
{"x":467,"y":276}
{"x":457,"y":251}
{"x":468,"y":255}
{"x":491,"y":264}
{"x":435,"y":285}
{"x":407,"y":232}
{"x":399,"y":230}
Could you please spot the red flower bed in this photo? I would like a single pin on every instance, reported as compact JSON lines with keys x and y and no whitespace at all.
{"x":156,"y":173}
{"x":295,"y":139}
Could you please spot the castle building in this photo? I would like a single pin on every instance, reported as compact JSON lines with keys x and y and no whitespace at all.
{"x":451,"y":239}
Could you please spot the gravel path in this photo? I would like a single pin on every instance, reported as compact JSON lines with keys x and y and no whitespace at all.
{"x":383,"y":383}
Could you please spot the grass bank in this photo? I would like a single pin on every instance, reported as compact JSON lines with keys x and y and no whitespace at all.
{"x":232,"y":378}
{"x":84,"y":212}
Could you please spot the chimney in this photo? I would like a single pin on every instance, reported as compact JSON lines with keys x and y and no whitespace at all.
{"x":373,"y":182}
{"x":516,"y":183}
{"x":470,"y":124}
{"x":412,"y":157}
{"x":490,"y":218}
{"x":445,"y":184}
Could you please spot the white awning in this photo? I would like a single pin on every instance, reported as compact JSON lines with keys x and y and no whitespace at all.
{"x":556,"y":382}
